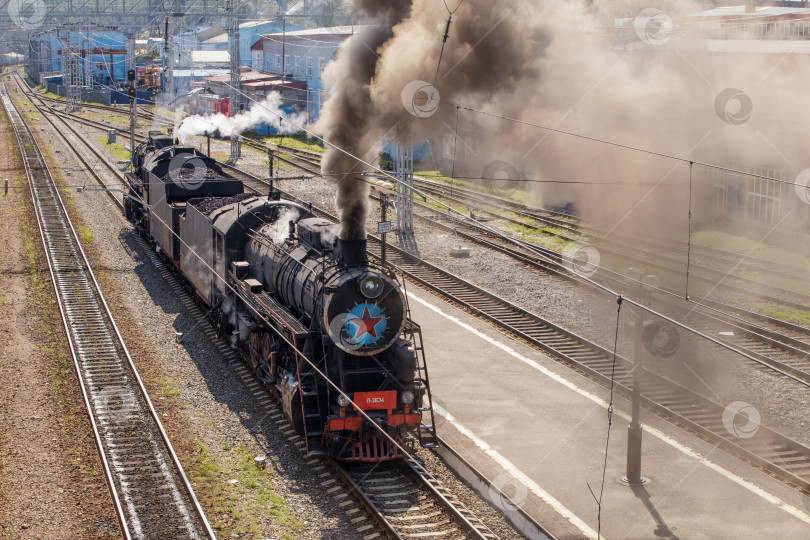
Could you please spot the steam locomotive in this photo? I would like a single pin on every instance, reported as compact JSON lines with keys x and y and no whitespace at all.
{"x":300,"y":304}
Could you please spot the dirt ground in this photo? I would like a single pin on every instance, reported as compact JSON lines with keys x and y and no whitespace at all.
{"x":51,"y":484}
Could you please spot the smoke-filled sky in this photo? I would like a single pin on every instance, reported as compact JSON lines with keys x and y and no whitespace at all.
{"x":556,"y":63}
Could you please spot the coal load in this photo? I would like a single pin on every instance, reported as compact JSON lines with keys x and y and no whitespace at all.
{"x":209,"y":204}
{"x":192,"y":175}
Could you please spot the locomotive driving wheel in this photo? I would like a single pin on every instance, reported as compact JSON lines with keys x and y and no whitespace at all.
{"x":255,"y":348}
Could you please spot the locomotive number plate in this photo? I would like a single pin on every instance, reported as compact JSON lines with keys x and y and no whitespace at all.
{"x":370,"y":401}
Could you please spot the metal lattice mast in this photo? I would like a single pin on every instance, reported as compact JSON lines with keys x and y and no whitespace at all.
{"x":87,"y":58}
{"x":236,"y":95}
{"x":168,"y":63}
{"x":404,"y":190}
{"x":70,"y":75}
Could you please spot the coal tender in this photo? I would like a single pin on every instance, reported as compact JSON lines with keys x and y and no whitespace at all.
{"x":298,"y":303}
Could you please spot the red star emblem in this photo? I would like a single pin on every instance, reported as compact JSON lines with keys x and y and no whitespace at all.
{"x":366,"y":324}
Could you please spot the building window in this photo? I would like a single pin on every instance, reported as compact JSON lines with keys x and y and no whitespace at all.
{"x":720,"y":181}
{"x":287,"y":67}
{"x":294,"y":66}
{"x":309,"y":66}
{"x":100,"y":66}
{"x":765,"y":197}
{"x":323,"y":66}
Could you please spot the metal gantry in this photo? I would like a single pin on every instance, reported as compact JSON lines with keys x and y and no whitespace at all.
{"x":404,"y":160}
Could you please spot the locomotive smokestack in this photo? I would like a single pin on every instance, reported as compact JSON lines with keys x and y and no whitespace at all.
{"x":352,"y":252}
{"x":349,"y":114}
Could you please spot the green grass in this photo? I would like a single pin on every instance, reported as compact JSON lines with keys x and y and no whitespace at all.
{"x":118,"y":150}
{"x":747,"y":246}
{"x":300,"y":142}
{"x":244,"y":506}
{"x":169,"y":113}
{"x":789,"y":314}
{"x":167,"y":386}
{"x":85,"y":234}
{"x":539,"y":236}
{"x":517,"y":195}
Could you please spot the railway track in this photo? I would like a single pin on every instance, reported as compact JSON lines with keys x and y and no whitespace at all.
{"x":776,"y":349}
{"x":718,"y":259}
{"x":780,"y":331}
{"x":122,"y":111}
{"x":770,"y":451}
{"x":404,"y":499}
{"x":306,"y":161}
{"x":709,"y":266}
{"x":408,"y":502}
{"x":151,"y":494}
{"x":777,"y":454}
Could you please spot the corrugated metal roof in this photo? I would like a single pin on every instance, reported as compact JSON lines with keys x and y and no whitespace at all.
{"x":345,"y":30}
{"x":219,"y":38}
{"x":200,"y":72}
{"x":219,"y":35}
{"x":210,"y":56}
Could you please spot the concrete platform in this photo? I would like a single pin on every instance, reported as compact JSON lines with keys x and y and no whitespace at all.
{"x":538,"y":430}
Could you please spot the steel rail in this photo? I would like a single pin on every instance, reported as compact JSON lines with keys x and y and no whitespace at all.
{"x":770,"y":451}
{"x":410,"y":520}
{"x":105,"y":370}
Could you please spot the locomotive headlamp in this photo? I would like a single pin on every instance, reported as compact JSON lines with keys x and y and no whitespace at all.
{"x":343,"y":400}
{"x":407,"y":397}
{"x":371,"y":286}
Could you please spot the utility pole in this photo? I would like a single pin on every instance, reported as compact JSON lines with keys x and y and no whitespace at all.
{"x":645,"y":286}
{"x":236,"y":87}
{"x":283,"y":47}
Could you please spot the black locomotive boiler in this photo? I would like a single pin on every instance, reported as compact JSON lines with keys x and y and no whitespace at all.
{"x":300,"y":304}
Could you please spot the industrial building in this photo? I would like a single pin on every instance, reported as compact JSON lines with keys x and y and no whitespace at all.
{"x":301,"y":56}
{"x":105,"y":53}
{"x":215,"y":38}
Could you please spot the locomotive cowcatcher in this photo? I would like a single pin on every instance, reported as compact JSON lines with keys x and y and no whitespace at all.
{"x":298,"y":303}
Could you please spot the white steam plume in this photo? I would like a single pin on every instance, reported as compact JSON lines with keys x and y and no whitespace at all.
{"x":268,"y":111}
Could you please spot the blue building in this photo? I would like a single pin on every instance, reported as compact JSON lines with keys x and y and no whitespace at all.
{"x":215,"y":38}
{"x":301,"y":55}
{"x":104,"y":52}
